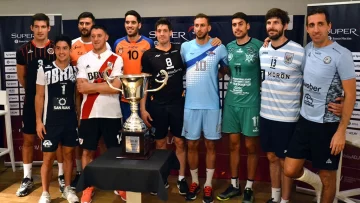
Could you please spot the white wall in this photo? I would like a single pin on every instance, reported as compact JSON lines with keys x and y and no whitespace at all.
{"x":70,"y":9}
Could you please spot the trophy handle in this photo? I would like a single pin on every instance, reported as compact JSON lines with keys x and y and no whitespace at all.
{"x":108,"y":79}
{"x":164,"y":81}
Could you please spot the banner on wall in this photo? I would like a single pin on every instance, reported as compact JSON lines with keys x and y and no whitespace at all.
{"x":183,"y":31}
{"x":346,"y":32}
{"x":14,"y":32}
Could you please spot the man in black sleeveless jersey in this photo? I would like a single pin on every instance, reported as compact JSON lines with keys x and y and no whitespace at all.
{"x":165,"y":108}
{"x":29,"y":57}
{"x":56,"y":120}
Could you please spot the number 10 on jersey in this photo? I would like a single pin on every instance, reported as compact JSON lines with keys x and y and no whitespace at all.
{"x":200,"y":66}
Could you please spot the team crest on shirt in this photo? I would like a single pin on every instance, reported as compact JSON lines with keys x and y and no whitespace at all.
{"x":327,"y":60}
{"x":50,"y":51}
{"x":288,"y":58}
{"x":230,"y":56}
{"x":120,"y":51}
{"x":210,"y":53}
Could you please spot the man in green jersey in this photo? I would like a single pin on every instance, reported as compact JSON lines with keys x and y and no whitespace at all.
{"x":242,"y":105}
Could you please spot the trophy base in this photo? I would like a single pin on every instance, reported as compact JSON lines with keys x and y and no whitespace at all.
{"x":136,"y":145}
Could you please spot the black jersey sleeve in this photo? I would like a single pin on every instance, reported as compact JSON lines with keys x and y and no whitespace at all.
{"x":20,"y":56}
{"x":145,"y":63}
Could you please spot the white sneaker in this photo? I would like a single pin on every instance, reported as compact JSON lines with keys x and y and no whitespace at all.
{"x":45,"y":198}
{"x":70,"y":195}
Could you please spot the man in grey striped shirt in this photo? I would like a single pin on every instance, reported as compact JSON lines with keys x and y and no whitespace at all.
{"x":281,"y":62}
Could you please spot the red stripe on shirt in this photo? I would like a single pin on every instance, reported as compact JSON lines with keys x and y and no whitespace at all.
{"x":90,"y":100}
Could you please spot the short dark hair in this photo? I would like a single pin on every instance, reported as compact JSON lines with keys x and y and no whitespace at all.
{"x":40,"y":17}
{"x":278,"y":13}
{"x":99,"y":27}
{"x":201,"y":15}
{"x":318,"y":10}
{"x":134,"y":13}
{"x":163,"y":21}
{"x":86,"y":15}
{"x":241,"y":15}
{"x":63,"y":38}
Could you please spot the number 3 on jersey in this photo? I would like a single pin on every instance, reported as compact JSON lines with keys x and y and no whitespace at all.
{"x":133,"y":55}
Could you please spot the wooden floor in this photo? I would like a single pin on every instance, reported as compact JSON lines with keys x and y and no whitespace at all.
{"x":9,"y":183}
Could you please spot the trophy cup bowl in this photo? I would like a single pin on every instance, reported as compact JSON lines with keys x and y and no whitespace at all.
{"x":136,"y":136}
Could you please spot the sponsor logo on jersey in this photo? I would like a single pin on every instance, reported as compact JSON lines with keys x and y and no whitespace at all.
{"x":288,"y":58}
{"x":47,"y":143}
{"x":327,"y":60}
{"x":48,"y":66}
{"x":157,"y":55}
{"x":264,"y":52}
{"x":230,"y":56}
{"x":95,"y":75}
{"x":50,"y":51}
{"x":30,"y":51}
{"x":311,"y":87}
{"x":308,"y":100}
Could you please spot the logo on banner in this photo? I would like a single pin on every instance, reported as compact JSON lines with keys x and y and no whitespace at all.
{"x":21,"y":37}
{"x":343,"y":34}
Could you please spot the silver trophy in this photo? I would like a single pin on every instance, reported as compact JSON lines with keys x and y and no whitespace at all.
{"x":134,"y":128}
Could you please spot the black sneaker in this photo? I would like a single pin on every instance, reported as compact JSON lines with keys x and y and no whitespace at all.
{"x":166,"y":184}
{"x":25,"y":187}
{"x":193,"y":191}
{"x":248,"y":196}
{"x":208,"y":195}
{"x":271,"y":201}
{"x":230,"y":192}
{"x":75,"y":181}
{"x":183,"y":187}
{"x":61,"y":181}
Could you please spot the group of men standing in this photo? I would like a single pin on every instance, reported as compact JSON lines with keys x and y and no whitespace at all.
{"x":296,"y":116}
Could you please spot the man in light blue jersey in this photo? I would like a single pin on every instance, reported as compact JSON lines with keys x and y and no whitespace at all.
{"x":280,"y":98}
{"x":320,"y":134}
{"x":202,"y":104}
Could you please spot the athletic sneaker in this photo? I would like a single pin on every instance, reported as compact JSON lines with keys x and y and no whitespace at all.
{"x":230,"y":192}
{"x":61,"y":181}
{"x":271,"y":201}
{"x":87,"y":195}
{"x":25,"y":187}
{"x":208,"y":195}
{"x":182,"y":186}
{"x":75,"y":181}
{"x":193,"y":191}
{"x":45,"y":198}
{"x":120,"y":193}
{"x":166,"y":184}
{"x":248,"y":196}
{"x":70,"y":195}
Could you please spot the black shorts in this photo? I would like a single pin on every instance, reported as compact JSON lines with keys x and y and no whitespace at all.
{"x":29,"y":118}
{"x":165,"y":116}
{"x":312,"y":141}
{"x":275,"y":136}
{"x":92,"y":129}
{"x":63,"y":134}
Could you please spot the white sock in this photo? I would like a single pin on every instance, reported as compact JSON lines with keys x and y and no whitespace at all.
{"x":180,"y":178}
{"x":249,"y":184}
{"x":312,"y":179}
{"x":284,"y":201}
{"x":61,"y":170}
{"x":194,"y":176}
{"x":235,"y":182}
{"x":275,"y":194}
{"x":27,"y":170}
{"x":78,"y":165}
{"x":209,"y":176}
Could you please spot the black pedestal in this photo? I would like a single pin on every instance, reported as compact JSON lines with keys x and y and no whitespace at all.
{"x":136,"y":145}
